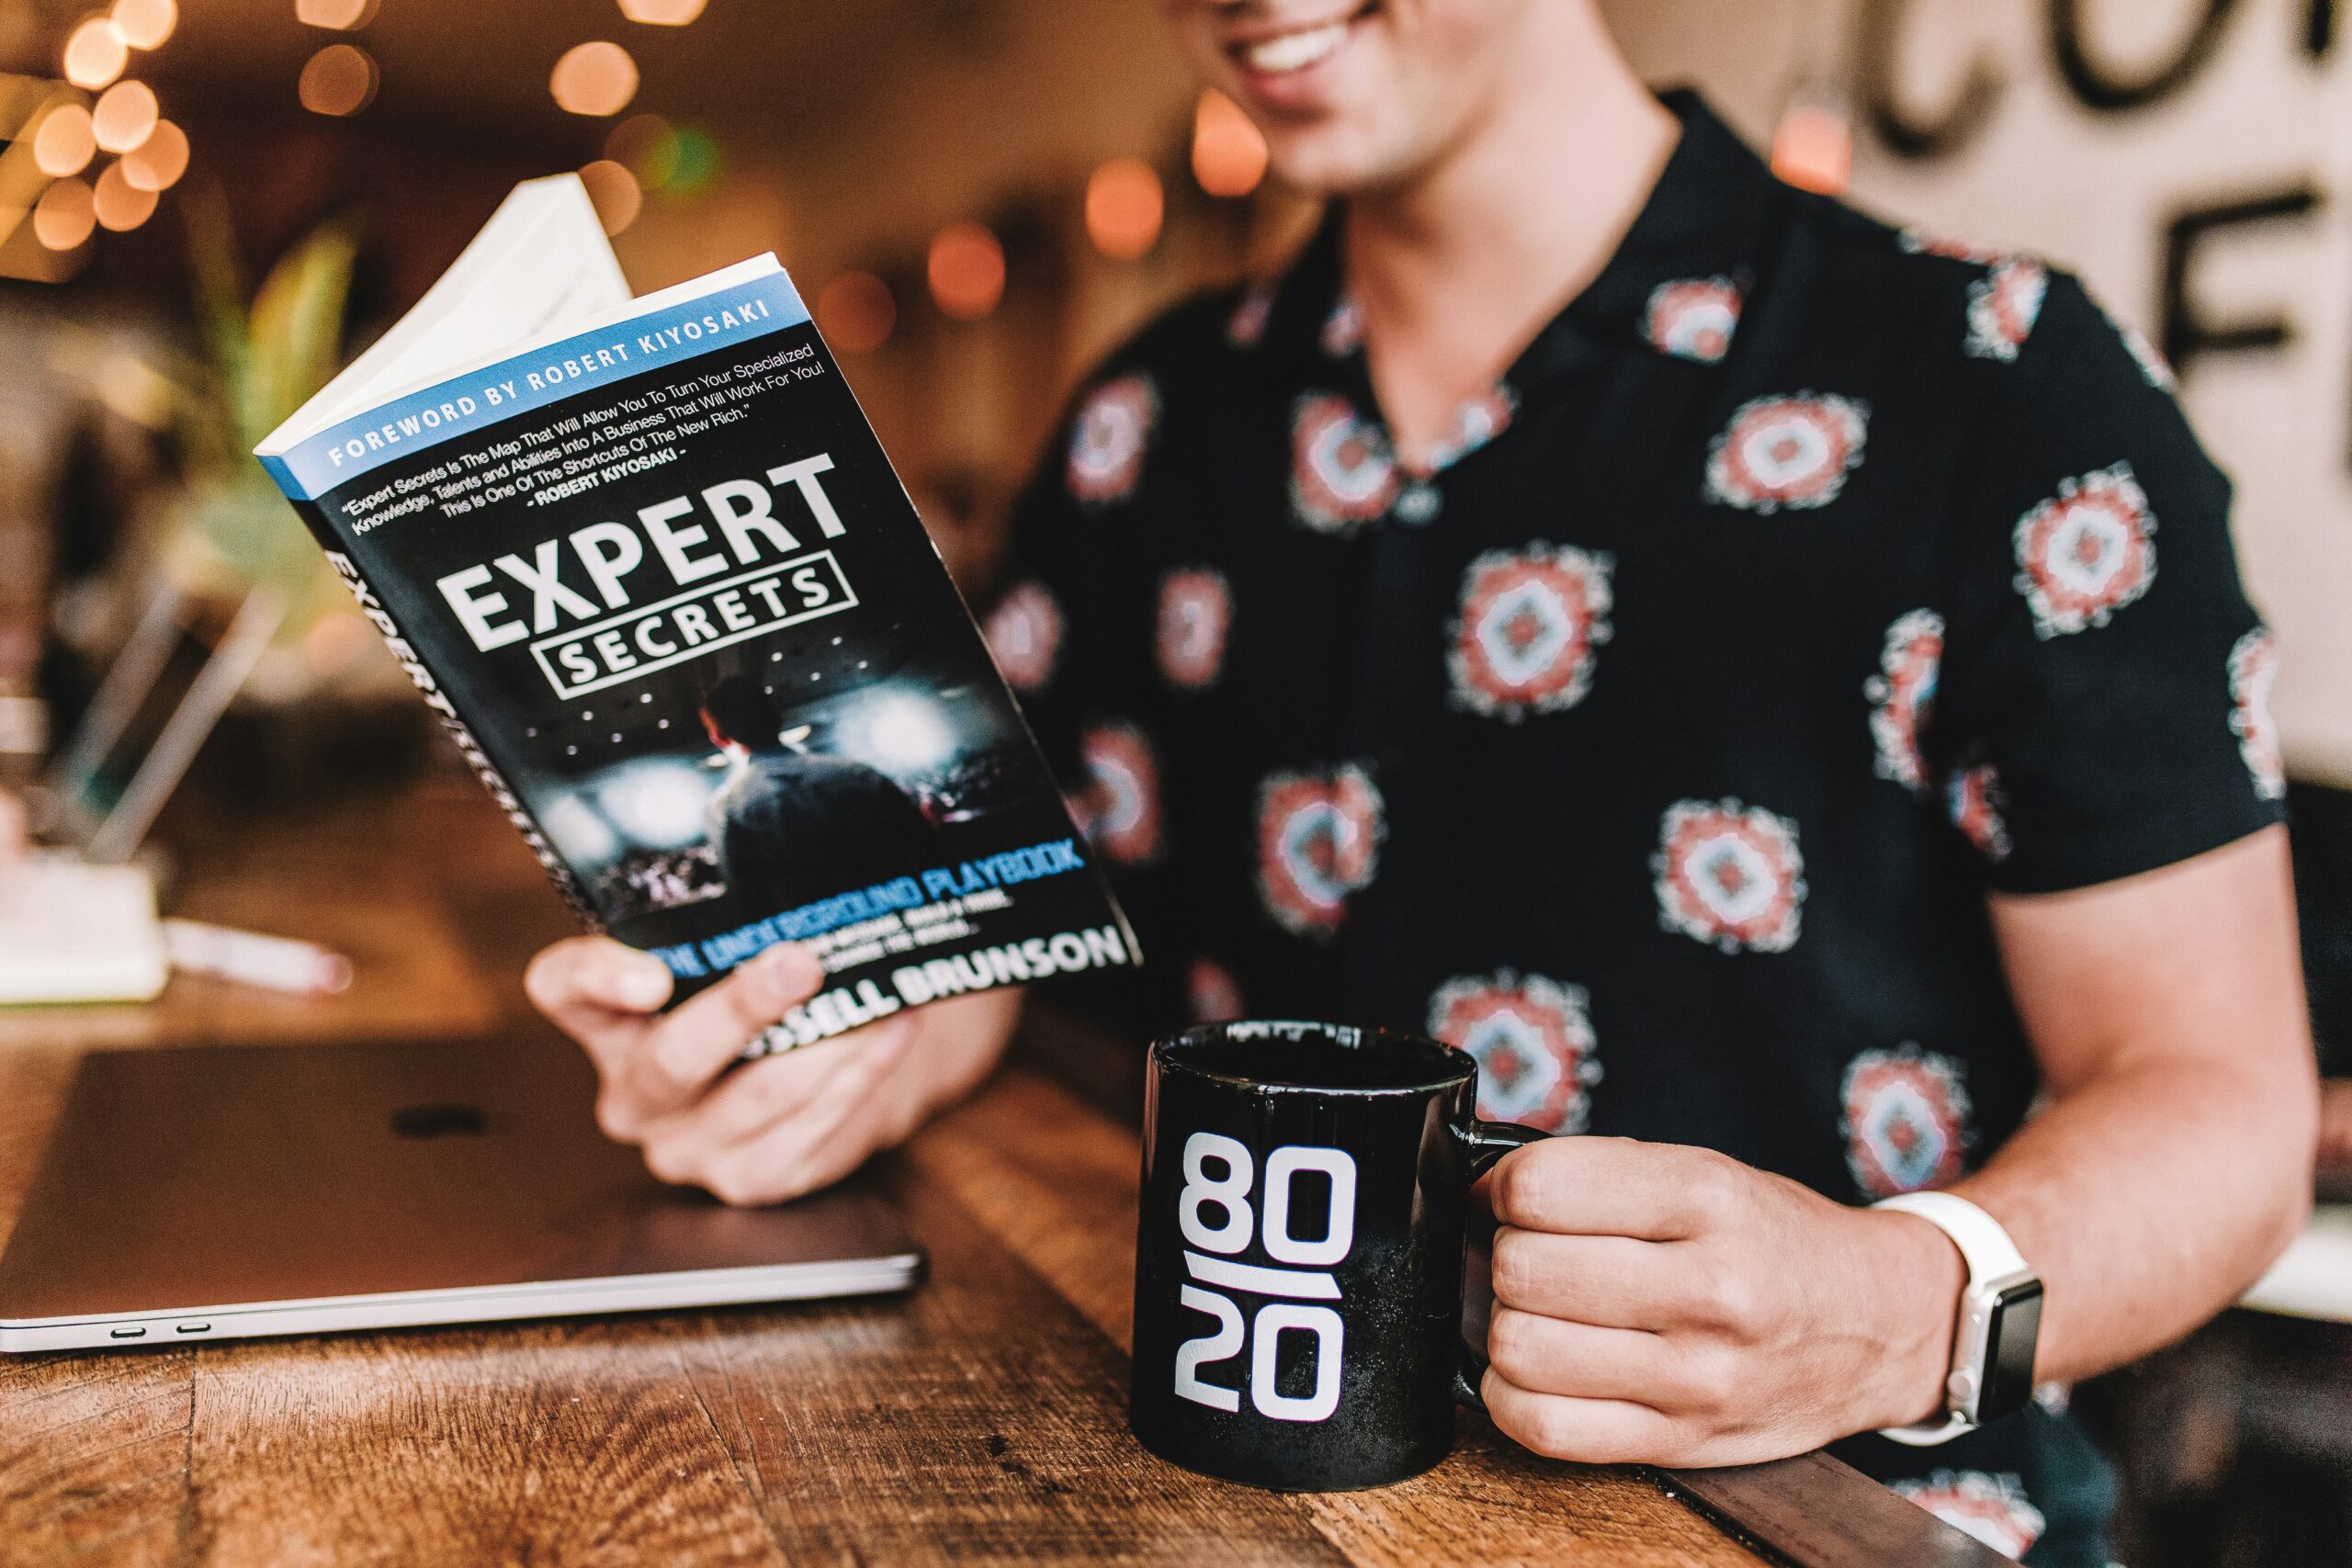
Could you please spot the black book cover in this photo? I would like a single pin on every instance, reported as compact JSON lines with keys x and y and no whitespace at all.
{"x":668,"y":595}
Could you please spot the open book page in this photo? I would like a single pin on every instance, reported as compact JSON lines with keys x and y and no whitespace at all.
{"x":540,"y":265}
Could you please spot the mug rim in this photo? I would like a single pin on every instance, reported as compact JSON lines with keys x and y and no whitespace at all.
{"x":1166,"y":1054}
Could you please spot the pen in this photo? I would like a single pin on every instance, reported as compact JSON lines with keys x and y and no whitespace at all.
{"x":276,"y":962}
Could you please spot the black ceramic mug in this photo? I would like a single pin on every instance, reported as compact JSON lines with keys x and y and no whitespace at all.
{"x":1299,"y":1254}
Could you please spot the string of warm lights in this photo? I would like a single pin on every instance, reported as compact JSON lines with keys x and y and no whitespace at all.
{"x":1126,"y":209}
{"x":148,"y":152}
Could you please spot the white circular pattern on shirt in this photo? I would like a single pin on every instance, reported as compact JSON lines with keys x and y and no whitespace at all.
{"x":1992,"y":1509}
{"x":2086,"y":552}
{"x":1693,"y":319}
{"x":1529,"y":622}
{"x":1731,"y":875}
{"x":1904,"y":693}
{"x":1532,"y":1040}
{"x":2253,"y":670}
{"x":1343,"y":473}
{"x":1124,"y":776}
{"x":1976,"y":804}
{"x":1196,"y":613}
{"x":1790,"y":451}
{"x":1905,"y":1117}
{"x":1024,"y":635}
{"x":1318,"y":842}
{"x":2003,"y":307}
{"x":1478,"y":422}
{"x":1108,"y":440}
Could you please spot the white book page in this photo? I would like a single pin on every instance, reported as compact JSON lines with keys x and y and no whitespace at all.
{"x":539,"y":267}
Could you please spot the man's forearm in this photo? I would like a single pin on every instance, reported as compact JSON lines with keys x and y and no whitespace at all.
{"x":2149,"y":1199}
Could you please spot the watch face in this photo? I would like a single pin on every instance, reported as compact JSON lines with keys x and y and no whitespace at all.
{"x":2011,"y":1332}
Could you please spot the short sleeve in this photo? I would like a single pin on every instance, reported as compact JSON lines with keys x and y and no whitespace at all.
{"x":2105,"y":701}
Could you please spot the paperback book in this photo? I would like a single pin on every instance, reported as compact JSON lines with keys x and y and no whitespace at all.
{"x":647,"y":560}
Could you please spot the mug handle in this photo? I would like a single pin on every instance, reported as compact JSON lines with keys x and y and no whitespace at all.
{"x":1485,"y":1143}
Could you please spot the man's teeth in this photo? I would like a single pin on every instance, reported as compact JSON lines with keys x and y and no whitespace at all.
{"x":1294,"y":52}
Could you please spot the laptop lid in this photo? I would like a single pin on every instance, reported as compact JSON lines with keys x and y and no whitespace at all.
{"x":212,"y":1194}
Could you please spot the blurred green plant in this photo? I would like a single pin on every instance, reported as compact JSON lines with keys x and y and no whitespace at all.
{"x":265,"y":356}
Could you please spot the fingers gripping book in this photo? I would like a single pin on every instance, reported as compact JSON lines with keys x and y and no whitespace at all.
{"x":647,"y":560}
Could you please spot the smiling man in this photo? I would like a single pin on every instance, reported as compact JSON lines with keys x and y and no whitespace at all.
{"x":1774,"y":687}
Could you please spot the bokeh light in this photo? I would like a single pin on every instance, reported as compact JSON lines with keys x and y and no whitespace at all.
{"x":119,"y":204}
{"x":145,"y":24}
{"x":1123,"y":208}
{"x":855,"y":312}
{"x":1228,"y":150}
{"x":125,"y":114}
{"x":94,"y":53}
{"x":157,"y":162}
{"x":339,"y":80}
{"x":65,"y":143}
{"x":966,"y":271}
{"x":342,"y":16}
{"x":1813,"y":150}
{"x":636,"y":141}
{"x":616,"y":193}
{"x":594,"y":79}
{"x":662,"y":13}
{"x":65,"y":215}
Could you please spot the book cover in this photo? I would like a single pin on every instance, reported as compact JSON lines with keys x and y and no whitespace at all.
{"x":666,"y":592}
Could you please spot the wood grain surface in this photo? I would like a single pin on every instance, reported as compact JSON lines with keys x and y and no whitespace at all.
{"x":980,"y":1418}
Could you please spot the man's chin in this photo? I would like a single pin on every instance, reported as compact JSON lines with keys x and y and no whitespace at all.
{"x":1334,"y":162}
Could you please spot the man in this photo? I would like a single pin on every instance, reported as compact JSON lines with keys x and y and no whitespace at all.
{"x":1708,"y":654}
{"x":791,"y":827}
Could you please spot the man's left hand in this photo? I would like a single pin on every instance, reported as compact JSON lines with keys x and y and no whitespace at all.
{"x":1669,"y":1305}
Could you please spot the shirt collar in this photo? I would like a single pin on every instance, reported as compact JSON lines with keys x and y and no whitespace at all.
{"x":1703,"y":221}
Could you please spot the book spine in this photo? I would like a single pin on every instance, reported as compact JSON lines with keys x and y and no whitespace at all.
{"x":438,"y":698}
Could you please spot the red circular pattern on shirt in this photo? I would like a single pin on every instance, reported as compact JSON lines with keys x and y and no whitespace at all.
{"x":1195,"y":611}
{"x":1025,"y":634}
{"x":2086,"y":552}
{"x":1318,"y":841}
{"x":2003,"y":307}
{"x":2254,"y":669}
{"x":1108,"y":440}
{"x":1974,"y":801}
{"x":1528,"y":625}
{"x":1731,"y":875}
{"x":1209,"y":987}
{"x":1246,"y":328}
{"x":1124,"y":776}
{"x":1532,"y":1040}
{"x":1343,"y":473}
{"x":1693,"y":319}
{"x":1906,"y":1116}
{"x":1343,"y":332}
{"x":1902,"y":693}
{"x":1988,"y":1508}
{"x":1788,"y":451}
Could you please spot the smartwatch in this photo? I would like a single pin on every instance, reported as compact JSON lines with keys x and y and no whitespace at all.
{"x":2000,"y":1320}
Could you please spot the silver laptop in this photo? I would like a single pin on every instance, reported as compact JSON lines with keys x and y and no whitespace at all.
{"x":221,"y":1193}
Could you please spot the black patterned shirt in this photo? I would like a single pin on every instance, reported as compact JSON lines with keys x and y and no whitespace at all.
{"x":1659,"y":739}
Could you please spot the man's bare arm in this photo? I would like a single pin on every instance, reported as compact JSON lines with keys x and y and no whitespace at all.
{"x":2174,"y":1160}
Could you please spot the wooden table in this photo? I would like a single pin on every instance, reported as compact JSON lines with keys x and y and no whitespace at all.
{"x":979,"y":1419}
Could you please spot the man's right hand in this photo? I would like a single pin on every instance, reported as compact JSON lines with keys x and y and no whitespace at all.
{"x":775,"y":1128}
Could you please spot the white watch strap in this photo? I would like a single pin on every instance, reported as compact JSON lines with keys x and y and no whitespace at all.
{"x":1990,"y":1255}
